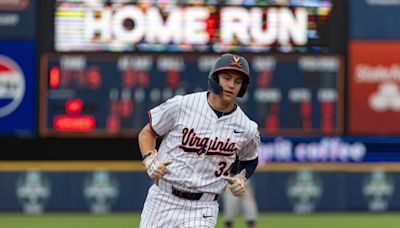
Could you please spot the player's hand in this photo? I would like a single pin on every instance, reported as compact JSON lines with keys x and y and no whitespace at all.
{"x":155,"y":168}
{"x":237,"y":183}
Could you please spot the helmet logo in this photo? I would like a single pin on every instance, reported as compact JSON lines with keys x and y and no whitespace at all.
{"x":236,"y":61}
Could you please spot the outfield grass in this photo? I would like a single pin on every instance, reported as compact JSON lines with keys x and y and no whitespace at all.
{"x":266,"y":220}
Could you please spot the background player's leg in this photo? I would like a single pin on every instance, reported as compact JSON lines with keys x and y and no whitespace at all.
{"x":249,"y":206}
{"x":231,"y":208}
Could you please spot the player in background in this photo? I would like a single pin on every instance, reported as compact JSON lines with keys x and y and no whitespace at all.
{"x":203,"y":133}
{"x":245,"y":204}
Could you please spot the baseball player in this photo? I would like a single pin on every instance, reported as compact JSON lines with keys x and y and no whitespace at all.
{"x":202,"y":135}
{"x":246,"y":204}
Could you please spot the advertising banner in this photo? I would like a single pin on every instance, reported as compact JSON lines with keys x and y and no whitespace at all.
{"x":374,"y":87}
{"x":374,"y":19}
{"x":17,"y":19}
{"x":307,"y":190}
{"x":17,"y":87}
{"x":301,"y":190}
{"x":99,"y":191}
{"x":329,"y":149}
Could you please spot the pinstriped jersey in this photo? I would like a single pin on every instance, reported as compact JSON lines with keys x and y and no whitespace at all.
{"x":202,"y":146}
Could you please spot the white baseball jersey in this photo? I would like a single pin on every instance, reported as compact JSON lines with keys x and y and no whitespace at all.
{"x":201,"y":146}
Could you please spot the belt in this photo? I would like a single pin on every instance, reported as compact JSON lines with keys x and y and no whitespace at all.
{"x":184,"y":194}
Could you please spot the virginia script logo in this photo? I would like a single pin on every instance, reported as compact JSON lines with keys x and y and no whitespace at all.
{"x":193,"y":144}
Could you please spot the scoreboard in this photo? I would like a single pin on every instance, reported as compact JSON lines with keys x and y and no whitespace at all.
{"x":194,"y":26}
{"x":109,"y":94}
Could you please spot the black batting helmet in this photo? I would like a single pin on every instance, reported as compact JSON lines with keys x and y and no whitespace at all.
{"x":229,"y":62}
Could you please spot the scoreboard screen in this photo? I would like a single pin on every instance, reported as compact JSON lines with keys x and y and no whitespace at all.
{"x":187,"y":26}
{"x":108,"y":95}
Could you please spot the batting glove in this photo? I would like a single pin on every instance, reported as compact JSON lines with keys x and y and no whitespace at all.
{"x":237,"y":183}
{"x":156,"y":169}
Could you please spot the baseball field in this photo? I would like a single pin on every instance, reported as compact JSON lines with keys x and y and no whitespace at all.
{"x":266,"y":220}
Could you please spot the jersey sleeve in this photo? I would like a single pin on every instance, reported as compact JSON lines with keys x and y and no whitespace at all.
{"x":250,"y":149}
{"x":163,"y":117}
